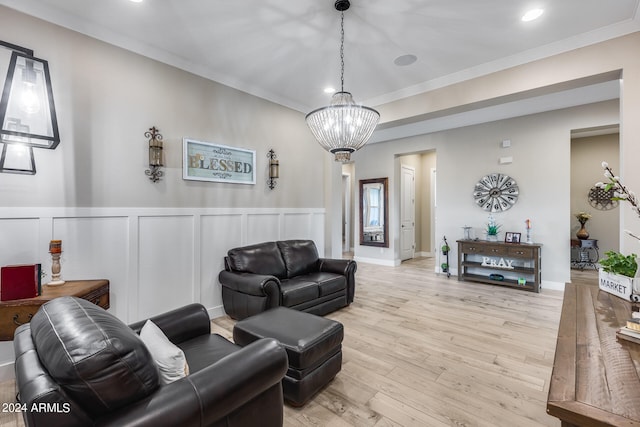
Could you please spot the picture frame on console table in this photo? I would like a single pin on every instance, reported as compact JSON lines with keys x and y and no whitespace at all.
{"x":207,"y":161}
{"x":511,"y":237}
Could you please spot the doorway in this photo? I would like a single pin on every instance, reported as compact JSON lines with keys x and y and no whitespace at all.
{"x":407,"y":212}
{"x":421,"y":190}
{"x":589,"y":147}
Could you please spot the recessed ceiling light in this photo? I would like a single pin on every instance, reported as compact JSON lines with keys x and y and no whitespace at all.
{"x":329,"y":90}
{"x":532,"y":14}
{"x":136,"y":1}
{"x":405,"y":60}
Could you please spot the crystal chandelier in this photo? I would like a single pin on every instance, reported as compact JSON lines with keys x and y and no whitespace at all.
{"x":344,"y":126}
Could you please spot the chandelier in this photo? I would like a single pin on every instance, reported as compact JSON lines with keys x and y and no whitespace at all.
{"x":343,"y":126}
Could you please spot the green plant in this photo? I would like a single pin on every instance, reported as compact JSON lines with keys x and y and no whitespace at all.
{"x":617,"y":263}
{"x":492,"y":227}
{"x":445,"y":249}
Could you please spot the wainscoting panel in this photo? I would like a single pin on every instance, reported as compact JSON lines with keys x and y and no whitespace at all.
{"x":296,"y":225}
{"x":95,"y":248}
{"x":263,"y":227}
{"x":19,"y":237}
{"x":166,"y":264}
{"x":156,"y":259}
{"x":218,"y":234}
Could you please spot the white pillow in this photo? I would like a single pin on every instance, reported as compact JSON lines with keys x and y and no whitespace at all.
{"x":169,"y":358}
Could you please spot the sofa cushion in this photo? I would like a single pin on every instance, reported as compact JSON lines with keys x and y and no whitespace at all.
{"x":300,"y":256}
{"x":205,"y":350}
{"x":262,"y":258}
{"x":328,"y":283}
{"x":97,"y":359}
{"x":298,"y":290}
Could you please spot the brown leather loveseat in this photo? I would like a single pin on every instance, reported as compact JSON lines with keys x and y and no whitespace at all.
{"x":285,"y":273}
{"x":78,"y":365}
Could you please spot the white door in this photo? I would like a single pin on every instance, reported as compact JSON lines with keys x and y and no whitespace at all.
{"x":407,"y":212}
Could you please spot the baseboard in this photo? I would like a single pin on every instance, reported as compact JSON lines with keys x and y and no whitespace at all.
{"x":216,"y":312}
{"x":552,"y":286}
{"x":378,"y":261}
{"x":7,"y":371}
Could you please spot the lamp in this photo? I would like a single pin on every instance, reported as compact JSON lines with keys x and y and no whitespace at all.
{"x":344,"y":126}
{"x":27,"y":111}
{"x":155,"y":154}
{"x":274,"y":169}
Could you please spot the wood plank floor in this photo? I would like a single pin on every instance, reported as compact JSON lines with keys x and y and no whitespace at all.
{"x":424,"y":350}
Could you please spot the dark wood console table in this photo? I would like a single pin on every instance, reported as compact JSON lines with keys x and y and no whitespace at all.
{"x":595,"y":379}
{"x":14,"y":313}
{"x":505,"y":263}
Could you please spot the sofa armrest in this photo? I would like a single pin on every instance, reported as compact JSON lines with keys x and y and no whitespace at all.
{"x":213,"y":392}
{"x":181,"y":324}
{"x":338,"y":266}
{"x":251,"y":284}
{"x":345,"y":267}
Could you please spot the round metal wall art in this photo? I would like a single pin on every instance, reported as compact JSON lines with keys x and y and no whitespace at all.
{"x":496,"y":192}
{"x":601,"y":199}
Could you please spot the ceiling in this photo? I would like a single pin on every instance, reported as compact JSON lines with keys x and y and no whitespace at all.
{"x":288,"y":51}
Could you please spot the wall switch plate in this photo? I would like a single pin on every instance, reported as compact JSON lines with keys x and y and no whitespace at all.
{"x":505,"y":160}
{"x":506,"y":143}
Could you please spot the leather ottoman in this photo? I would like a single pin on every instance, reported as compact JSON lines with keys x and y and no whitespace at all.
{"x":313,"y":345}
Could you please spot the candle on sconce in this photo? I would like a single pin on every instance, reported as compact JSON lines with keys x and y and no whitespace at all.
{"x":55,"y":246}
{"x":528,"y":222}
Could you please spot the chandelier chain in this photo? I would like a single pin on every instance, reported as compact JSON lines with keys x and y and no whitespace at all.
{"x":342,"y":51}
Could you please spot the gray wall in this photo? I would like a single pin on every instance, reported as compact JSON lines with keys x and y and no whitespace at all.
{"x":107,"y":97}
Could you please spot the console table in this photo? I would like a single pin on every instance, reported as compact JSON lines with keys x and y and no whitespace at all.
{"x":507,"y":264}
{"x":595,"y":380}
{"x":15,"y":313}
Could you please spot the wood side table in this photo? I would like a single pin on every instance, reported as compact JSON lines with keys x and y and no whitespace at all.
{"x":15,"y":313}
{"x":595,"y":380}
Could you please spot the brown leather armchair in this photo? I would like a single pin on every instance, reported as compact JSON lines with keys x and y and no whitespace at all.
{"x":78,"y":365}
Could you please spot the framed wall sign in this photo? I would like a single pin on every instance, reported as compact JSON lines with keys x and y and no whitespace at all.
{"x":206,"y":161}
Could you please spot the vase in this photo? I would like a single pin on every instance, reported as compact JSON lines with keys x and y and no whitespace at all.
{"x":582,"y":234}
{"x":492,"y":237}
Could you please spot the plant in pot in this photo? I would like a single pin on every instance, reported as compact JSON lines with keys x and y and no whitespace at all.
{"x":445,"y":249}
{"x":582,"y":218}
{"x":617,"y":274}
{"x":492,"y":229}
{"x":616,"y":263}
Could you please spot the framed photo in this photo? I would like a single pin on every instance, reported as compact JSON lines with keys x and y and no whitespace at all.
{"x":510,"y":237}
{"x":206,"y":161}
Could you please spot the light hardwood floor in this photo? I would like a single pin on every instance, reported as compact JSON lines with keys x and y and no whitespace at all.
{"x":424,"y":350}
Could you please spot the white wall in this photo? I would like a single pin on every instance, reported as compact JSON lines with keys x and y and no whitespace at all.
{"x":541,"y":158}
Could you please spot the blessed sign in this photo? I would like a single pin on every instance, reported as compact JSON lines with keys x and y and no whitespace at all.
{"x":205,"y":161}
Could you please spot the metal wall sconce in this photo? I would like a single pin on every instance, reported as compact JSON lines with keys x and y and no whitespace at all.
{"x":155,"y":154}
{"x":27,"y":111}
{"x":274,"y":169}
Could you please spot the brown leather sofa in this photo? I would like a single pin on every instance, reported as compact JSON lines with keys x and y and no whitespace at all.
{"x":285,"y":273}
{"x":78,"y":365}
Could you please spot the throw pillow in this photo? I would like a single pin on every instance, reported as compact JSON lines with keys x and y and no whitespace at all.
{"x":170,"y":359}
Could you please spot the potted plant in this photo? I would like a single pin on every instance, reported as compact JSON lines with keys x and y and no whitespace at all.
{"x":582,"y":218}
{"x":492,"y":229}
{"x":617,"y":273}
{"x":616,"y":263}
{"x":445,"y":249}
